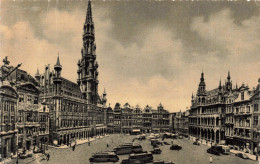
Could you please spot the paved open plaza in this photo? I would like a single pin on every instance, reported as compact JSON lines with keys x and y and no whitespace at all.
{"x":189,"y":154}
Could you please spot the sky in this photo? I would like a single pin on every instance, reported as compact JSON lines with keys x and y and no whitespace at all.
{"x":149,"y":52}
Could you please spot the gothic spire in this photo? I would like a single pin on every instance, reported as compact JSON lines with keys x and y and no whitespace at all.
{"x":219,"y":87}
{"x":57,"y":65}
{"x":228,"y":77}
{"x":58,"y":60}
{"x":89,"y":13}
{"x":37,"y":73}
{"x":202,"y":79}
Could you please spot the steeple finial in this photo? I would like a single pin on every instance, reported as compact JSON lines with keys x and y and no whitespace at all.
{"x":58,"y":66}
{"x":219,"y":87}
{"x":58,"y":59}
{"x":104,"y":93}
{"x":89,"y":13}
{"x":228,"y":77}
{"x":202,"y":76}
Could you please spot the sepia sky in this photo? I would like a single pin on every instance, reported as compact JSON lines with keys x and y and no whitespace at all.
{"x":148,"y":51}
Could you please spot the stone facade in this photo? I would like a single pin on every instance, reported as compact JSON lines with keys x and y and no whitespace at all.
{"x":181,"y":123}
{"x":206,"y":120}
{"x":8,"y":112}
{"x":76,"y":109}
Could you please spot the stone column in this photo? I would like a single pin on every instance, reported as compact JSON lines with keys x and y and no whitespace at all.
{"x":215,"y":136}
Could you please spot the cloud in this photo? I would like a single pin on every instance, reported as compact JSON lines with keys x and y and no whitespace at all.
{"x":240,"y":40}
{"x":20,"y":44}
{"x":148,"y":73}
{"x":237,"y":46}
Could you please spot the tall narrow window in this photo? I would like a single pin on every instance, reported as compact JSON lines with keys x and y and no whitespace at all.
{"x":242,"y":96}
{"x":35,"y":100}
{"x":21,"y":98}
{"x":255,"y":107}
{"x":29,"y":99}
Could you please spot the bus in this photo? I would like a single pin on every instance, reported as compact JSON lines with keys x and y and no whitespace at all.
{"x":128,"y":148}
{"x":139,"y":158}
{"x":104,"y":157}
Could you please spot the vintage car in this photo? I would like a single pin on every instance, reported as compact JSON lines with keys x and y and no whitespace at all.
{"x":196,"y":143}
{"x":214,"y":150}
{"x":156,"y":151}
{"x":175,"y":147}
{"x":242,"y":155}
{"x":156,"y":142}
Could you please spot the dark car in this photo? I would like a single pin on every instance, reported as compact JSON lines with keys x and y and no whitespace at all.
{"x":175,"y":147}
{"x":156,"y":151}
{"x":242,"y":155}
{"x":213,"y":150}
{"x":196,"y":143}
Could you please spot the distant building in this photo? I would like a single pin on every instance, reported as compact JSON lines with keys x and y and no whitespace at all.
{"x":160,"y":120}
{"x":110,"y":120}
{"x":181,"y":123}
{"x":173,"y":126}
{"x":147,"y":119}
{"x":126,"y":119}
{"x":137,"y":115}
{"x":206,"y":120}
{"x":8,"y":113}
{"x":117,"y":118}
{"x":238,"y":117}
{"x":76,"y":109}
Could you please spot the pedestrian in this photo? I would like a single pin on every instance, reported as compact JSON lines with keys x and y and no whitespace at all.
{"x":210,"y":159}
{"x":107,"y":145}
{"x":48,"y":156}
{"x":74,"y":146}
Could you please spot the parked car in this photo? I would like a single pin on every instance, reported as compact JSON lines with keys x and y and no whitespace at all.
{"x":242,"y":155}
{"x":175,"y":147}
{"x":156,"y":151}
{"x":180,"y":137}
{"x":156,"y":142}
{"x":214,"y":150}
{"x":196,"y":143}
